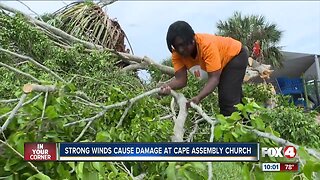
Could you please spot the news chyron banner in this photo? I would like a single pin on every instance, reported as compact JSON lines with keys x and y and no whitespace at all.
{"x":141,"y":152}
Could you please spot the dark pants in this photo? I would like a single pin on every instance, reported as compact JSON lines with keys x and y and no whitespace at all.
{"x":230,"y":85}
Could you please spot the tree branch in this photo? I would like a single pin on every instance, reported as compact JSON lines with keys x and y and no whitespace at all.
{"x":134,"y":67}
{"x":106,"y":108}
{"x":124,"y":114}
{"x":83,"y":131}
{"x":166,"y":117}
{"x":43,"y":111}
{"x":172,"y":104}
{"x":28,"y":88}
{"x":284,"y":142}
{"x":9,"y":100}
{"x":33,"y":61}
{"x":193,"y":132}
{"x":20,"y":72}
{"x":178,"y":129}
{"x":26,"y":103}
{"x":13,"y":112}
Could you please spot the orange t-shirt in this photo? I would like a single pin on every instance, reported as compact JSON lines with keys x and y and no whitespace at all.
{"x":214,"y":52}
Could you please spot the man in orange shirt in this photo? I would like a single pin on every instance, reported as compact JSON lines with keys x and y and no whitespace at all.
{"x":222,"y":61}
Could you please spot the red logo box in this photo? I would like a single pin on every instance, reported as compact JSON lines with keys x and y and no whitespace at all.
{"x":40,"y":151}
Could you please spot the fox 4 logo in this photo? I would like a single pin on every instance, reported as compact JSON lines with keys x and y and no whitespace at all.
{"x":288,"y":151}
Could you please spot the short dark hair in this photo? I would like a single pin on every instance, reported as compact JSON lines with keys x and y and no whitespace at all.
{"x":181,"y":29}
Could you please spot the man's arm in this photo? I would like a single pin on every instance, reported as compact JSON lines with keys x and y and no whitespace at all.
{"x":213,"y":81}
{"x":178,"y":82}
{"x":180,"y":79}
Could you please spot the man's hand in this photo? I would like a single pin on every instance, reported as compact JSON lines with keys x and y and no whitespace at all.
{"x":165,"y":90}
{"x":195,"y":100}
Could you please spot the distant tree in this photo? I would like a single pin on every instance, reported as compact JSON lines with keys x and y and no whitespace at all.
{"x":249,"y":29}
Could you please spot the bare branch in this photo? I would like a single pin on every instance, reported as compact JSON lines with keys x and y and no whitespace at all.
{"x":97,"y":116}
{"x":210,"y":174}
{"x":43,"y":111}
{"x":106,"y":108}
{"x":20,"y":63}
{"x":172,"y":104}
{"x":28,"y":88}
{"x":13,"y":112}
{"x":203,"y":114}
{"x":178,"y":129}
{"x":20,"y":72}
{"x":26,"y":103}
{"x":83,"y":131}
{"x":124,"y":114}
{"x":87,"y":103}
{"x":140,"y":176}
{"x":33,"y":61}
{"x":284,"y":142}
{"x":190,"y":138}
{"x":134,"y":67}
{"x":9,"y":100}
{"x":166,"y":117}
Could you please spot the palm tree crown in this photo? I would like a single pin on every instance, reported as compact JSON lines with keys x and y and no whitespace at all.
{"x":249,"y":29}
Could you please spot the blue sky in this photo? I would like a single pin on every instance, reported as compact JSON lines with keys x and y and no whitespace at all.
{"x":146,"y":23}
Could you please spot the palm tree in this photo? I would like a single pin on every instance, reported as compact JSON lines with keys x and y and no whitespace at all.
{"x":249,"y":29}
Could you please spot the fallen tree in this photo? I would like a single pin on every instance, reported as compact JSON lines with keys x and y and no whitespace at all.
{"x":95,"y":101}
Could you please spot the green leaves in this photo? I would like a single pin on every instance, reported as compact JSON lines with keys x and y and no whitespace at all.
{"x":308,"y":169}
{"x":51,"y":112}
{"x":40,"y":176}
{"x":246,"y":172}
{"x":282,"y":176}
{"x":258,"y":123}
{"x":170,"y":171}
{"x":217,"y":133}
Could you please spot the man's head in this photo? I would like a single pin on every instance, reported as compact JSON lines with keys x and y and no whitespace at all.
{"x":180,"y":37}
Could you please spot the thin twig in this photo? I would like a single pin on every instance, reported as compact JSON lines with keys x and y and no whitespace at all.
{"x":30,"y":9}
{"x":127,"y":170}
{"x":44,"y":105}
{"x":87,"y":103}
{"x":20,"y":63}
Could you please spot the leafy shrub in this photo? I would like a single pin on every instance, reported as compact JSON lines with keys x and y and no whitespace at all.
{"x":294,"y":125}
{"x":259,"y":92}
